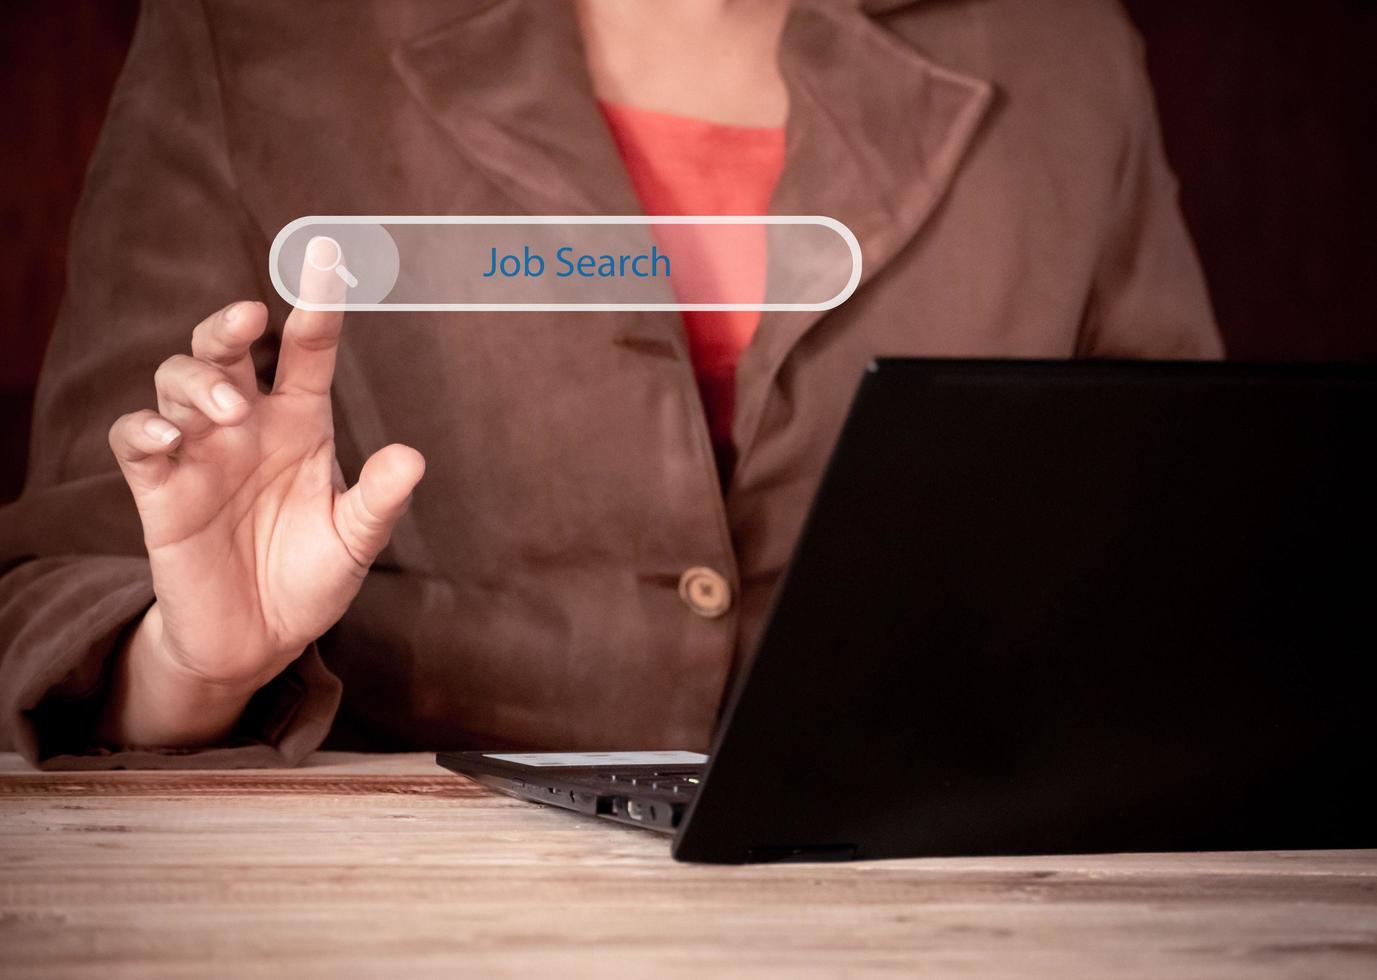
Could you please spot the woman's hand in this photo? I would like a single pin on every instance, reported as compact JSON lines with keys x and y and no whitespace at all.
{"x":256,"y":546}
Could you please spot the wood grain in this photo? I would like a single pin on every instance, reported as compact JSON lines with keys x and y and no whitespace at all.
{"x":389,"y":866}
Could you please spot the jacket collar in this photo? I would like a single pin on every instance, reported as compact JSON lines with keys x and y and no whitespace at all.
{"x":507,"y":82}
{"x":876,"y":131}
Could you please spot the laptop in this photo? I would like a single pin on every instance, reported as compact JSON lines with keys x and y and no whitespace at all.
{"x":1064,"y":607}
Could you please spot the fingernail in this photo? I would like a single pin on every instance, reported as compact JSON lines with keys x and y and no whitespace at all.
{"x":226,"y":396}
{"x":163,"y":431}
{"x":235,"y":313}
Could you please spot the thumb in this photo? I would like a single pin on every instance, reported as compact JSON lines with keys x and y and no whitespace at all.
{"x":365,"y":513}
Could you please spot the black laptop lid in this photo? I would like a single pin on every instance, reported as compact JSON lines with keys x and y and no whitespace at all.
{"x":1068,"y":607}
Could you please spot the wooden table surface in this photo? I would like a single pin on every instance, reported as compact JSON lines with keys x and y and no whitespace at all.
{"x":390,"y":866}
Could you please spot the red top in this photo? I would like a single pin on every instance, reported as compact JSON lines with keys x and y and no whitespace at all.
{"x":680,"y":165}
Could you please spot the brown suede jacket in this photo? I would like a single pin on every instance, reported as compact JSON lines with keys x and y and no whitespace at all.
{"x":999,"y":160}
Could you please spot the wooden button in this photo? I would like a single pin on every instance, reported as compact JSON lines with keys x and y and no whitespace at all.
{"x":705,"y":592}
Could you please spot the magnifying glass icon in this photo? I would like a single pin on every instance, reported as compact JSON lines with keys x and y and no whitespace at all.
{"x":320,"y":247}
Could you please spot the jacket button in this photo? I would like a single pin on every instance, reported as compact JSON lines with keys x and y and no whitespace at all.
{"x":706,"y":593}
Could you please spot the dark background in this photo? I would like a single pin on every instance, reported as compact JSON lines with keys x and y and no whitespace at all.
{"x":1267,"y":109}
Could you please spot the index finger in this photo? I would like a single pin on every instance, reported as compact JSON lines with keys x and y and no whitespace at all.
{"x":310,"y":338}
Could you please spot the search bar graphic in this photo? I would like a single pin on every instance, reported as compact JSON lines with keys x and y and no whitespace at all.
{"x":562,"y":263}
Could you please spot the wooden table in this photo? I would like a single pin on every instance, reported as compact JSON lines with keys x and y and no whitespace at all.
{"x":390,"y":866}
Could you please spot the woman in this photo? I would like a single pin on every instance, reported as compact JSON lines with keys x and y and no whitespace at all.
{"x":608,"y":500}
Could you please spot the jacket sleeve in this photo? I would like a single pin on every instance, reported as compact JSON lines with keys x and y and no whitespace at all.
{"x":160,"y":240}
{"x":1149,"y":298}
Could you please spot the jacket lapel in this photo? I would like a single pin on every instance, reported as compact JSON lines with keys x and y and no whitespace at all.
{"x":876,"y":134}
{"x":508,"y":81}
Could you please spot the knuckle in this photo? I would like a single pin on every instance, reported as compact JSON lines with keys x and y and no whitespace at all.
{"x":316,"y":341}
{"x":187,"y":375}
{"x":122,"y":430}
{"x":116,"y":436}
{"x":206,"y":376}
{"x":170,"y":370}
{"x":217,"y":340}
{"x":209,"y":333}
{"x":216,"y":353}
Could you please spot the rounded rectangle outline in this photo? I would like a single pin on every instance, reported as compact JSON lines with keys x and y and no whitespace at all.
{"x":847,"y":235}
